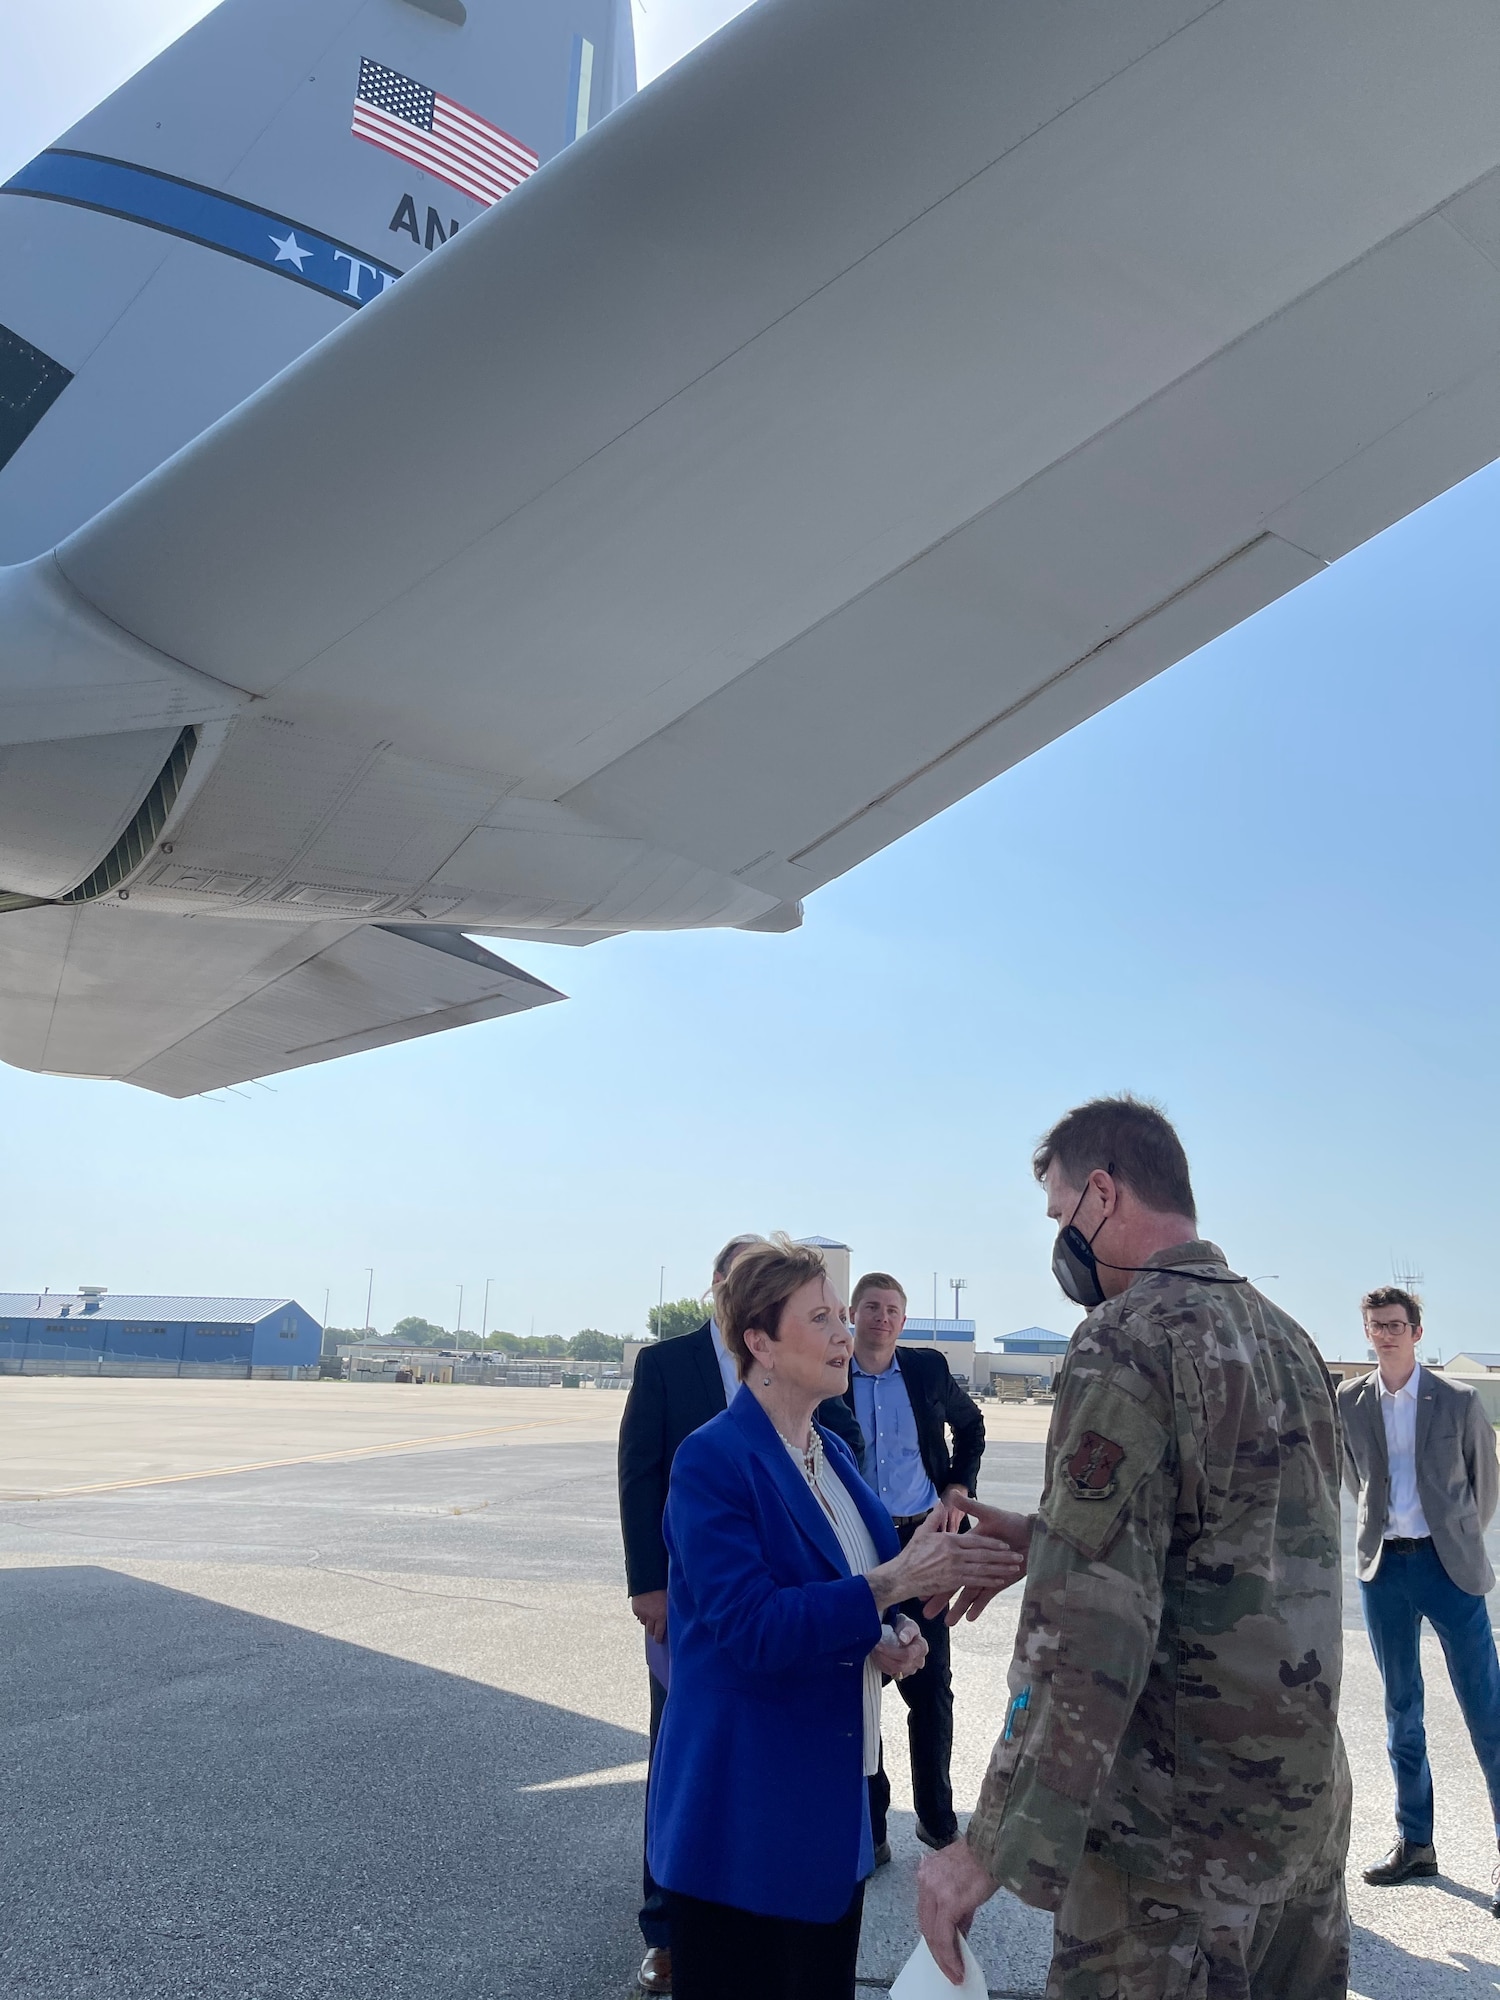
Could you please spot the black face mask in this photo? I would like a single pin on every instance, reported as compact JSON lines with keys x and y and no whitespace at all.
{"x":1074,"y":1264}
{"x":1076,"y":1268}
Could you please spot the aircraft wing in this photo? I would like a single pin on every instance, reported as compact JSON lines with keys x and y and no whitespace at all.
{"x":183,"y":1004}
{"x":868,"y":401}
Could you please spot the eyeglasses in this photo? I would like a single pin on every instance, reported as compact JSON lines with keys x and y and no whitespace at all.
{"x":1402,"y":1325}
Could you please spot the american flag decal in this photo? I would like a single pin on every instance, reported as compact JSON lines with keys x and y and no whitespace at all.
{"x":415,"y":123}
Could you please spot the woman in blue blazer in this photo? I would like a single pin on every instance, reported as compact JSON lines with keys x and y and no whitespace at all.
{"x":781,"y":1564}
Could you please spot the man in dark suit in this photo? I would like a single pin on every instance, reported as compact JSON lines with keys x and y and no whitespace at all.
{"x":907,"y":1403}
{"x":677,"y":1387}
{"x":1419,"y":1455}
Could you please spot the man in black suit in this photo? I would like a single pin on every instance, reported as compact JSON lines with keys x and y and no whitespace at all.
{"x":907,"y":1403}
{"x":678,"y":1385}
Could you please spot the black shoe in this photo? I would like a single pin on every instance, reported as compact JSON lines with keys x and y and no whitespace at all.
{"x":883,"y":1854}
{"x":1405,"y":1862}
{"x":938,"y":1841}
{"x":1495,"y":1893}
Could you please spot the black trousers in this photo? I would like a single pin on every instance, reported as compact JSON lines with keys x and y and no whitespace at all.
{"x":929,"y":1732}
{"x":656,"y":1925}
{"x":721,"y":1953}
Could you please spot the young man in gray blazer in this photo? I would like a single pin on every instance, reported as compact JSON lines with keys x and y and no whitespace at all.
{"x":1419,"y":1456}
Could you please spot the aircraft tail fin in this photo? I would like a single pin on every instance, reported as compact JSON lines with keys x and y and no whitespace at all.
{"x":277,"y":168}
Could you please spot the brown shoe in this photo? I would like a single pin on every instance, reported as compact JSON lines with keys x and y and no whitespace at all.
{"x":655,"y":1975}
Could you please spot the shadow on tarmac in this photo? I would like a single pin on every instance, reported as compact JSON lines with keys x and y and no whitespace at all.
{"x":202,"y":1803}
{"x":1381,"y":1970}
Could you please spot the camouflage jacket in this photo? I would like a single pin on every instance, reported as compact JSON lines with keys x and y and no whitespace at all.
{"x":1175,"y":1684}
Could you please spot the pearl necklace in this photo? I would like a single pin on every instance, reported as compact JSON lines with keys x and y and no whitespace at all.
{"x":809,"y":1457}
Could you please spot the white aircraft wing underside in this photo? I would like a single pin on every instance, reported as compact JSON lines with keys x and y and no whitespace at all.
{"x":182,"y":1005}
{"x":875,"y":397}
{"x":957,"y":369}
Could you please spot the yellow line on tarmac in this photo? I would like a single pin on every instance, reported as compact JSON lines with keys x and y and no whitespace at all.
{"x":271,"y":1464}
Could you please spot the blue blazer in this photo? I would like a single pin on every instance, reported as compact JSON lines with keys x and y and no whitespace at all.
{"x":757,"y":1793}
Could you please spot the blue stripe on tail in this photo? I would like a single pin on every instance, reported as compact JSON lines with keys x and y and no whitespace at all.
{"x":202,"y":215}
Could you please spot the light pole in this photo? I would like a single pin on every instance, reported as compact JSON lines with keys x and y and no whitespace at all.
{"x":369,"y":1295}
{"x":958,"y":1285}
{"x":661,"y":1298}
{"x":484,"y":1317}
{"x":460,"y":1327}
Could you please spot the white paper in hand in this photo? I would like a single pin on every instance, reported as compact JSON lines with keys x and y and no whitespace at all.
{"x":921,"y":1978}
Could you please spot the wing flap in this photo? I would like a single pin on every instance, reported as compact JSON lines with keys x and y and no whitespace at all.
{"x":183,"y":1005}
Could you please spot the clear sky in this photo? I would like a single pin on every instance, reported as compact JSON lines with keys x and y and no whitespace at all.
{"x":1260,"y":890}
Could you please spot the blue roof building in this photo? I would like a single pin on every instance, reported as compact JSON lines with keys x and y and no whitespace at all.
{"x":939,"y":1329}
{"x":89,"y":1332}
{"x":1034,"y":1340}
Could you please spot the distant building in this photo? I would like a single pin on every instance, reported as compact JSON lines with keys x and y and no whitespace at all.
{"x":953,"y":1338}
{"x":90,"y":1332}
{"x":1034,"y":1354}
{"x":1469,"y":1364}
{"x":1034,"y":1340}
{"x":836,"y":1257}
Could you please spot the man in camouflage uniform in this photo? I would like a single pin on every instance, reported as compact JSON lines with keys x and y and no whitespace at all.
{"x":1170,"y":1780}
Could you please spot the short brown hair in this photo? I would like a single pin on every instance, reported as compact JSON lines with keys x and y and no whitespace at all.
{"x":877,"y":1281}
{"x":1392,"y":1295}
{"x":1128,"y":1138}
{"x":756,"y":1287}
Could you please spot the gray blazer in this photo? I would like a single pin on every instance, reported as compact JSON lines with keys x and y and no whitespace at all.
{"x":1458,"y":1480}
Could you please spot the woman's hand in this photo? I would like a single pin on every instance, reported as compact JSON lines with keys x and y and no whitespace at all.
{"x":999,"y":1525}
{"x":902,"y":1651}
{"x":934,"y":1564}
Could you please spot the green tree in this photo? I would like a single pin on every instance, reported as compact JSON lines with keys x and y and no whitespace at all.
{"x":335,"y":1337}
{"x":675,"y":1318}
{"x":589,"y":1344}
{"x":415,"y":1332}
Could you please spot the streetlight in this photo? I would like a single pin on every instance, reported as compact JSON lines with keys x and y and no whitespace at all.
{"x":484,"y":1317}
{"x":460,"y":1327}
{"x":369,"y":1295}
{"x":958,"y":1285}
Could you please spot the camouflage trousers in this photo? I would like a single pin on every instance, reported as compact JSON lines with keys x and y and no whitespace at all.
{"x":1117,"y":1937}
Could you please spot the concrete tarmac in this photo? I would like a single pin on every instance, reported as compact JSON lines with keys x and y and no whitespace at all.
{"x":372,"y":1722}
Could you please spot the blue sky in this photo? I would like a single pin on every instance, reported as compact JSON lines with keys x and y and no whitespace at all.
{"x":1260,"y":890}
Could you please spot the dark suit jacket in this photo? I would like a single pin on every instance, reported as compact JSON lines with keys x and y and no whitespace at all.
{"x":939,"y":1406}
{"x":677,"y":1388}
{"x":1457,"y":1478}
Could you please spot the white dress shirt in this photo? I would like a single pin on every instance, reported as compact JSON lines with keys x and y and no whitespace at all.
{"x":859,"y":1552}
{"x":729,"y":1368}
{"x":1398,"y":1408}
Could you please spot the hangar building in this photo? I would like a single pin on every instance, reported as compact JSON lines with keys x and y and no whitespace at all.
{"x":87,"y":1332}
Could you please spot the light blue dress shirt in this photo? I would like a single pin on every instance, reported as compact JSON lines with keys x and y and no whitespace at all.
{"x":729,"y":1368}
{"x":893,"y":1457}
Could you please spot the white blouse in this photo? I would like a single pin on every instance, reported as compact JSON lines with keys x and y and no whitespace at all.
{"x":859,"y":1552}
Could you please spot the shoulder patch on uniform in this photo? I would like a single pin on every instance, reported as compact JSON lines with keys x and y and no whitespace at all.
{"x":1111,"y":1445}
{"x":1092,"y":1470}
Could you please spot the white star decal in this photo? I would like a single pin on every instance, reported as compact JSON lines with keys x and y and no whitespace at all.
{"x":289,"y":250}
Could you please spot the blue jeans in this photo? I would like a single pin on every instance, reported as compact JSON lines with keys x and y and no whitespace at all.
{"x":1410,"y":1586}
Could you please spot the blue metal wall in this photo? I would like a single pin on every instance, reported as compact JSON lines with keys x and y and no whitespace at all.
{"x":286,"y":1338}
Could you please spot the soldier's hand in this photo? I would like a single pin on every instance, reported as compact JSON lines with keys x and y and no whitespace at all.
{"x":934,"y":1564}
{"x":995,"y":1524}
{"x":951,"y":1885}
{"x":998,"y":1522}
